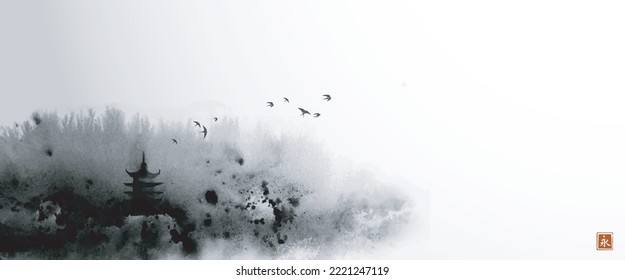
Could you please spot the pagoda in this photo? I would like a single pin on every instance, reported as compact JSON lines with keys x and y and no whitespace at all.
{"x":143,"y":198}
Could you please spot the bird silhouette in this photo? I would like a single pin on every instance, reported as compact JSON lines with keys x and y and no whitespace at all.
{"x":215,"y":118}
{"x":316,"y":115}
{"x":286,"y":99}
{"x":327,"y":97}
{"x":304,"y":112}
{"x":205,"y":131}
{"x":174,"y":141}
{"x":270,"y":104}
{"x":197,"y":124}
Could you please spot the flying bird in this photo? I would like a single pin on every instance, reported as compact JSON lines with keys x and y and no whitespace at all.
{"x":304,"y":112}
{"x":205,"y":131}
{"x":327,"y":97}
{"x":270,"y":104}
{"x":286,"y":99}
{"x":174,"y":141}
{"x":316,"y":115}
{"x":215,"y":118}
{"x":197,"y":124}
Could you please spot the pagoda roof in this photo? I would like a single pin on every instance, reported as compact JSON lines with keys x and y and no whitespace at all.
{"x":144,"y":184}
{"x":144,"y":193}
{"x":143,"y":172}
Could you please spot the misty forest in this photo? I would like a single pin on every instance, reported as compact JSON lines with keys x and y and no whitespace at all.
{"x":110,"y":186}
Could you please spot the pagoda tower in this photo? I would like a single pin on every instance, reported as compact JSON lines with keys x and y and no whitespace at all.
{"x":143,"y":198}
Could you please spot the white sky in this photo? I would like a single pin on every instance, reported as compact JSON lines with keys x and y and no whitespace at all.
{"x":511,"y":118}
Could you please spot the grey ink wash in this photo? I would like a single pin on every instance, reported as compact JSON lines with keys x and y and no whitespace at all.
{"x":88,"y":186}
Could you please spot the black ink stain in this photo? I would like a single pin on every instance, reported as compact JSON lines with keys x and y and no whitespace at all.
{"x":211,"y":197}
{"x":281,"y":240}
{"x":208,"y":221}
{"x":36,"y":118}
{"x":293,"y":201}
{"x":264,"y":188}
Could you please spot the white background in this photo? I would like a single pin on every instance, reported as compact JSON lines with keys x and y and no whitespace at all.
{"x":508,"y":115}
